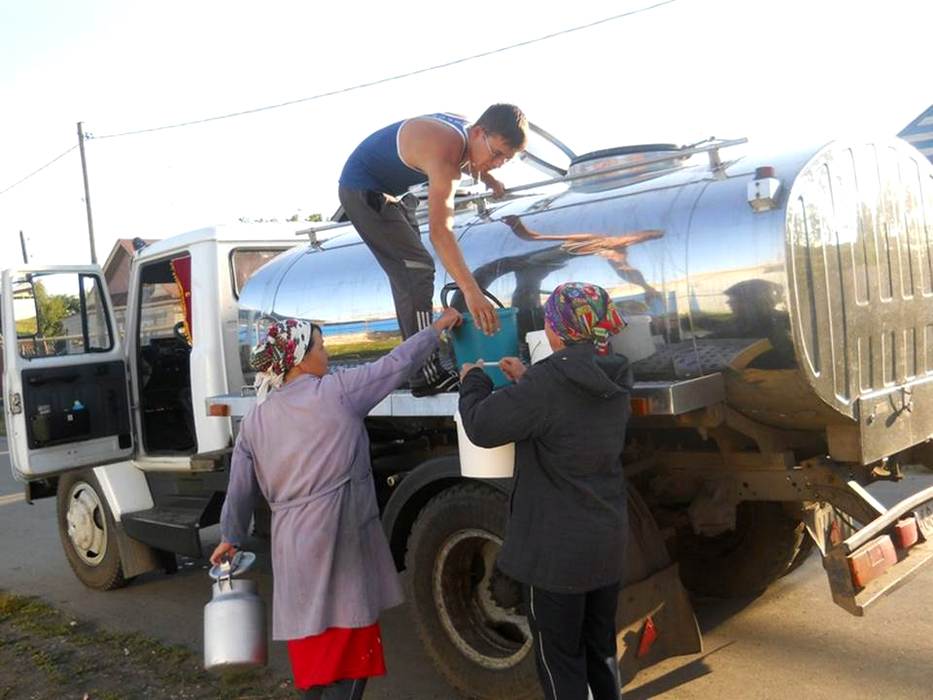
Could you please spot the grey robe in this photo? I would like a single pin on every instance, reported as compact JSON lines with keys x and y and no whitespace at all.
{"x":306,"y":449}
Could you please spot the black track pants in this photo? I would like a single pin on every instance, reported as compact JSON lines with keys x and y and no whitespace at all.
{"x":574,"y":635}
{"x":341,"y":690}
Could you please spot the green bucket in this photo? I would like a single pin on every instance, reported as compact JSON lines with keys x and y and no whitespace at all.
{"x":471,"y":344}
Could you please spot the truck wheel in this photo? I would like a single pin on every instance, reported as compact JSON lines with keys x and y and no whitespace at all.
{"x":469,"y":615}
{"x":806,"y":549}
{"x":744,"y":561}
{"x":846,"y":528}
{"x":88,"y":532}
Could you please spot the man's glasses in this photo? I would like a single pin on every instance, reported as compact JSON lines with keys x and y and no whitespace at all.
{"x":495,"y":152}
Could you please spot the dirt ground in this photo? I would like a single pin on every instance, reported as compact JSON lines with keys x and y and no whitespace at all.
{"x":46,"y":654}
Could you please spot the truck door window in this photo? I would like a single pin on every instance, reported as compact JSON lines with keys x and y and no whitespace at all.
{"x":60,"y":314}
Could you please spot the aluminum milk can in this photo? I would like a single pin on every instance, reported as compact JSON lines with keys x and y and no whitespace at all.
{"x":234,"y":619}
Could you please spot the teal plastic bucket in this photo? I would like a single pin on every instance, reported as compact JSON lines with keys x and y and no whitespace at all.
{"x":471,"y":344}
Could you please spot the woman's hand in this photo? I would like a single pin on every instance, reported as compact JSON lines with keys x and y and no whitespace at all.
{"x":467,"y":366}
{"x":221,"y":551}
{"x":451,"y":318}
{"x":512,"y":367}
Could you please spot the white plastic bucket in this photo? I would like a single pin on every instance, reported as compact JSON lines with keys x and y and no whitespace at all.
{"x":538,"y":345}
{"x":634,"y":341}
{"x":482,"y":462}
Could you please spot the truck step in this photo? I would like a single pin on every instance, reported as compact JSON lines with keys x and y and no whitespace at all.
{"x":173,"y":525}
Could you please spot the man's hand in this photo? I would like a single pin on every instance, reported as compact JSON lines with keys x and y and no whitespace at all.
{"x":498,"y":189}
{"x":221,"y":551}
{"x":512,"y":367}
{"x":484,"y":313}
{"x":467,"y":366}
{"x":451,"y":318}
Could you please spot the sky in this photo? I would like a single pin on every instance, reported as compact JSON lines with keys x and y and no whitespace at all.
{"x":783,"y":74}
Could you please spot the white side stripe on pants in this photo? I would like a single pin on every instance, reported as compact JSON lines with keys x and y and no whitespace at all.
{"x":430,"y":370}
{"x":534,"y":617}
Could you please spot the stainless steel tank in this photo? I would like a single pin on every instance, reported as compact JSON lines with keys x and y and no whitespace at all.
{"x":805,"y":277}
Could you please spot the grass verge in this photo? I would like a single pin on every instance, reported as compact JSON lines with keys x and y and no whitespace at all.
{"x":45,"y":653}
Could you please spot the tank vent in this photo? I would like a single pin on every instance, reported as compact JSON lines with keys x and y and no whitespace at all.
{"x":612,"y":167}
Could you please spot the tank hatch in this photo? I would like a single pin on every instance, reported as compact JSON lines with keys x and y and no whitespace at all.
{"x":613,"y":167}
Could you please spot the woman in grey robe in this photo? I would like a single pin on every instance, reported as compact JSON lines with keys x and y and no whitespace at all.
{"x":304,"y":446}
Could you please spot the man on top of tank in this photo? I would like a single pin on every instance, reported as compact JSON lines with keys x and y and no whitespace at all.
{"x":437,"y":149}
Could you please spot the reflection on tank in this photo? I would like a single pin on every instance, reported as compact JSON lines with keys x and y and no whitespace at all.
{"x":613,"y":248}
{"x":532,"y":268}
{"x":757,"y":314}
{"x":752,"y":321}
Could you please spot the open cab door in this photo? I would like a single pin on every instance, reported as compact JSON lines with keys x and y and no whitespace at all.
{"x":64,"y":377}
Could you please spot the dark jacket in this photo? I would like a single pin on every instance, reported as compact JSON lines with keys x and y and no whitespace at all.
{"x":567,"y":415}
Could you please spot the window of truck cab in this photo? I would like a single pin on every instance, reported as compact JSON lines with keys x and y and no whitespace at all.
{"x":245,"y":261}
{"x":59,"y":314}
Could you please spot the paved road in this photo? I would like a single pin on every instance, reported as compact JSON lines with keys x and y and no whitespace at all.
{"x":792,"y":641}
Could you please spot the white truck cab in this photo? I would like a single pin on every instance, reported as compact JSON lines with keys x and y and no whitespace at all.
{"x":110,"y":415}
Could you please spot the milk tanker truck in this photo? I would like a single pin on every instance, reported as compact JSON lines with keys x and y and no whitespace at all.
{"x":780,"y":310}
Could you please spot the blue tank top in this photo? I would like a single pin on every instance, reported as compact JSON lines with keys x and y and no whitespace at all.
{"x":377,"y":165}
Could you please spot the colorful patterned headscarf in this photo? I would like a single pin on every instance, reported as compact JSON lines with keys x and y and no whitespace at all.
{"x":284,"y":347}
{"x":580,"y":312}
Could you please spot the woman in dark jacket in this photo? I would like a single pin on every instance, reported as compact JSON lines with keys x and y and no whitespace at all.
{"x":567,"y":525}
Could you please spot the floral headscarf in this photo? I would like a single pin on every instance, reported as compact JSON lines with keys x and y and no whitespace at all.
{"x":580,"y":312}
{"x":284,"y":347}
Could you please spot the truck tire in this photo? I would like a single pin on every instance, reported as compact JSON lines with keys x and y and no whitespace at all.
{"x":88,"y":532}
{"x":806,"y":549}
{"x":744,"y":561}
{"x":468,"y":615}
{"x":846,"y":529}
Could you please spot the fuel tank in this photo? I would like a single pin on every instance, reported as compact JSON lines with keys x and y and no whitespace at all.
{"x":805,"y":277}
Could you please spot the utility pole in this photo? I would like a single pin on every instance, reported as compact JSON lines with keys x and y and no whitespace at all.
{"x":87,"y":194}
{"x":22,"y":243}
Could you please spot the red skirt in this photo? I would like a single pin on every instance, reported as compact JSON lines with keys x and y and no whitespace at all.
{"x":336,"y":654}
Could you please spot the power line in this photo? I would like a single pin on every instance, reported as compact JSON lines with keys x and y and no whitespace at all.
{"x":391,"y":78}
{"x":38,"y":170}
{"x":352,"y":88}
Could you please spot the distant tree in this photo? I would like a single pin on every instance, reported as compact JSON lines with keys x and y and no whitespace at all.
{"x":52,"y":309}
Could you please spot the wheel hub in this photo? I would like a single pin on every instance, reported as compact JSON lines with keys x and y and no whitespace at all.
{"x":86,"y":528}
{"x":479,"y":621}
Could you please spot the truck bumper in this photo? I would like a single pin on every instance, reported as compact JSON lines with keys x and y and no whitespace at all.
{"x":882,"y":555}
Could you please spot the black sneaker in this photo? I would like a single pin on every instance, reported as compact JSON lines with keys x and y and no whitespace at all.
{"x":441,"y":381}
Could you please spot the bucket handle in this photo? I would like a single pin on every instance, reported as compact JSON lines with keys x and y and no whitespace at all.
{"x":451,"y":286}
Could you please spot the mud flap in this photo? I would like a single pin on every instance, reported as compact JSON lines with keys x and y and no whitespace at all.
{"x":135,"y":557}
{"x":655,"y":619}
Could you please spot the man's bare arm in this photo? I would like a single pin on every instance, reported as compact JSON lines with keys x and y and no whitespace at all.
{"x":435,"y":150}
{"x":440,"y":221}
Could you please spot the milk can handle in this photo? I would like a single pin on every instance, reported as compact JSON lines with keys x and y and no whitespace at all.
{"x":451,"y":286}
{"x":226,"y":573}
